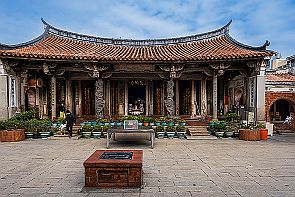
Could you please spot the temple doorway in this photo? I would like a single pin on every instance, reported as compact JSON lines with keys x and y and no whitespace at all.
{"x":280,"y":110}
{"x":136,"y":97}
{"x":185,"y":107}
{"x":88,"y":103}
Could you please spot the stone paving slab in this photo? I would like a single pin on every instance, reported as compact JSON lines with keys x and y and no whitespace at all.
{"x":223,"y":167}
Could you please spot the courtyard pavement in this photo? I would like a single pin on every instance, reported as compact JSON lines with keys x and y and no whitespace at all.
{"x":175,"y":167}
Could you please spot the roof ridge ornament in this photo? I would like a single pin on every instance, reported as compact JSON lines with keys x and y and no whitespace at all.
{"x":133,"y":42}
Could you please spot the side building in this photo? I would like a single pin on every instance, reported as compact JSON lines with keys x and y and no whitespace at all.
{"x":280,"y":96}
{"x":199,"y":75}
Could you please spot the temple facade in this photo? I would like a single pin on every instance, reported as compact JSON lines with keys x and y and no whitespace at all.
{"x":199,"y":75}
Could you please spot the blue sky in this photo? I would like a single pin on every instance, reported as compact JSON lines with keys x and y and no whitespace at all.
{"x":254,"y":21}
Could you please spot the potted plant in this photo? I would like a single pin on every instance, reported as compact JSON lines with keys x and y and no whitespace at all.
{"x":229,"y":131}
{"x":140,"y":119}
{"x":159,"y":130}
{"x":87,"y":131}
{"x":44,"y":128}
{"x":219,"y":129}
{"x":96,"y":131}
{"x":170,"y":122}
{"x":180,"y":130}
{"x":170,"y":131}
{"x":182,"y":122}
{"x":157,"y":122}
{"x":249,"y":132}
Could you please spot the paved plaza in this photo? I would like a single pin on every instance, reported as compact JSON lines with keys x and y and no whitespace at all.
{"x":175,"y":167}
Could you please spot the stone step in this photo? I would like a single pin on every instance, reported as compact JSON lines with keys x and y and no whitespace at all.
{"x":209,"y":137}
{"x":198,"y":131}
{"x":64,"y":137}
{"x":199,"y":134}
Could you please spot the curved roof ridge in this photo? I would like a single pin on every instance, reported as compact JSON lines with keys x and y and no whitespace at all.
{"x":259,"y":48}
{"x":25,"y":44}
{"x":133,"y":42}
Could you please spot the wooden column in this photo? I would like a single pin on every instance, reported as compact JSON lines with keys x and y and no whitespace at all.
{"x":53,"y":97}
{"x":177,"y":97}
{"x":203,"y":98}
{"x":147,"y":97}
{"x":151,"y":102}
{"x":69,"y":103}
{"x":215,"y":96}
{"x":80,"y":111}
{"x":108,"y":98}
{"x":193,"y":100}
{"x":126,"y":98}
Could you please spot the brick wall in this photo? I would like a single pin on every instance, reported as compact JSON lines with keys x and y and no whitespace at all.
{"x":271,"y":97}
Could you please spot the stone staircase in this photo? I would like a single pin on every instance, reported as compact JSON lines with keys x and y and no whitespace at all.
{"x":66,"y":136}
{"x":198,"y":133}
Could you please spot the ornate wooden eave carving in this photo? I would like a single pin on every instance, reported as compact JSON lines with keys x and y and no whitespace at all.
{"x":163,"y":75}
{"x":94,"y":69}
{"x":220,"y":67}
{"x":174,"y":70}
{"x":10,"y":66}
{"x":49,"y":68}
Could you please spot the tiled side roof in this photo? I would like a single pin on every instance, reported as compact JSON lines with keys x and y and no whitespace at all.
{"x":53,"y":47}
{"x":280,"y":77}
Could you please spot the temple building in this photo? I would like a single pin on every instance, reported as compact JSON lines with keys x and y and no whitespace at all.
{"x":199,"y":75}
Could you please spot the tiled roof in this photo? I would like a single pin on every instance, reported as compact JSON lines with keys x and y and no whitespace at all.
{"x":280,"y":77}
{"x":63,"y":45}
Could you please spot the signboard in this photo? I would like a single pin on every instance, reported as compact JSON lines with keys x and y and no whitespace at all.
{"x":130,"y":124}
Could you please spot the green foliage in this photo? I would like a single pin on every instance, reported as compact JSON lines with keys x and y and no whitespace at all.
{"x":159,"y":129}
{"x":24,"y":116}
{"x":180,"y":128}
{"x":170,"y":129}
{"x":87,"y":128}
{"x":219,"y":126}
{"x":232,"y":117}
{"x":61,"y":120}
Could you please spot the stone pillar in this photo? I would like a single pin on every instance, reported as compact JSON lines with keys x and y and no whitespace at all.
{"x":53,"y":97}
{"x":177,"y":97}
{"x":99,"y":100}
{"x":215,"y":96}
{"x":203,"y":98}
{"x":3,"y":93}
{"x":126,"y":98}
{"x":260,"y":94}
{"x":193,"y":100}
{"x":169,"y":102}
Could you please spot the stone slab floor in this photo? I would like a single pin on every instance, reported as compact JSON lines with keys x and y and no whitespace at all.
{"x":175,"y":167}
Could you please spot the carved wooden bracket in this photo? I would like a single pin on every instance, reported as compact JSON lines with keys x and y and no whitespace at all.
{"x":163,"y":75}
{"x":48,"y":68}
{"x":220,"y":65}
{"x":255,"y":66}
{"x":9,"y":66}
{"x":174,"y":70}
{"x":95,"y":69}
{"x":209,"y":72}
